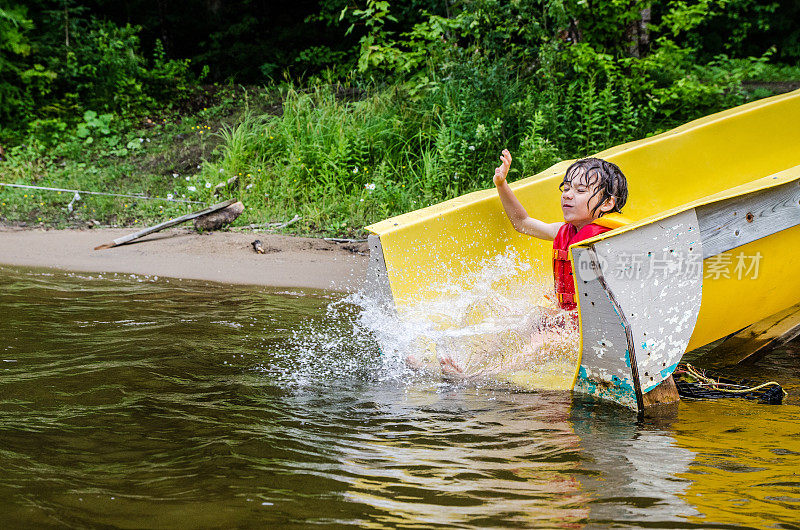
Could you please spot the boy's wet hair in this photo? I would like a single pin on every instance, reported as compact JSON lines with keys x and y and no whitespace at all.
{"x":610,"y":180}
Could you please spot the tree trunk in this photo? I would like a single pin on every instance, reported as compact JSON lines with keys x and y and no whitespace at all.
{"x":639,"y":35}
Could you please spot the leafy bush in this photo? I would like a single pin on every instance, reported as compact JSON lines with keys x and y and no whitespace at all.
{"x":14,"y":47}
{"x":102,"y":69}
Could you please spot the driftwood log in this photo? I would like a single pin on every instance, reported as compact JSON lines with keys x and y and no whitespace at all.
{"x":218,"y":219}
{"x":166,"y":224}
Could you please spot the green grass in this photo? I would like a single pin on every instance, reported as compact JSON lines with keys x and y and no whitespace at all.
{"x":319,"y":160}
{"x":160,"y":157}
{"x":164,"y":150}
{"x":338,"y":164}
{"x":340,"y":157}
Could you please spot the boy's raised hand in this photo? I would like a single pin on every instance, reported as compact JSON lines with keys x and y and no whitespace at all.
{"x":501,"y":171}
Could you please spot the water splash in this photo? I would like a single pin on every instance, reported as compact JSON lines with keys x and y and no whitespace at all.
{"x":499,"y":324}
{"x":328,"y":349}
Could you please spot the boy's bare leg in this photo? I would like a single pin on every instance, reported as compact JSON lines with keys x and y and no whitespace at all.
{"x":538,"y":338}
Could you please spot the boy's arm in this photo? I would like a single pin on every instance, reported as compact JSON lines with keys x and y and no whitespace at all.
{"x":516,"y":213}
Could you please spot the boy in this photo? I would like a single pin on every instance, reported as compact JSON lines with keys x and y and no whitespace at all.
{"x":590,"y":189}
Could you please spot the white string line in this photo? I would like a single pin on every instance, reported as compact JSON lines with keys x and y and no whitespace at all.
{"x":99,"y":193}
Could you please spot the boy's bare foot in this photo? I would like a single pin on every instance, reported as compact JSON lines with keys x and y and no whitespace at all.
{"x":413,"y":362}
{"x":452,"y":370}
{"x":449,"y":367}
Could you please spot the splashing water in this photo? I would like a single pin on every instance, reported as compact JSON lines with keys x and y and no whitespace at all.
{"x":327,"y":349}
{"x":498,"y":324}
{"x":496,"y":327}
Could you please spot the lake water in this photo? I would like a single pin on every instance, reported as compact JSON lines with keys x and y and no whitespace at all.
{"x":146,"y":402}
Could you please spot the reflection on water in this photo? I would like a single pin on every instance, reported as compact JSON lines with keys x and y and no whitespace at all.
{"x":746,"y":469}
{"x":136,"y":402}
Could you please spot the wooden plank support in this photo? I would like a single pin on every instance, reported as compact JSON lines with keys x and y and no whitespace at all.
{"x":757,"y":339}
{"x":666,"y":393}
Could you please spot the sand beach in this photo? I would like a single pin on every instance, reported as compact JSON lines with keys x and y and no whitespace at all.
{"x":226,"y":257}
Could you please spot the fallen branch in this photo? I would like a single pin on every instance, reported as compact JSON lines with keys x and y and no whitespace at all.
{"x":287,"y":223}
{"x":270,"y":226}
{"x":166,"y":224}
{"x":251,"y":226}
{"x":344,"y":240}
{"x":219,"y":188}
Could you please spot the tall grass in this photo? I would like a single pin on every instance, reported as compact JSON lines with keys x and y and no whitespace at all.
{"x":338,"y":164}
{"x":342,"y":162}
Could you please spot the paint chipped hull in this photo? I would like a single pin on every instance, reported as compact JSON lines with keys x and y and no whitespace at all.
{"x":714,"y":205}
{"x":683,"y":279}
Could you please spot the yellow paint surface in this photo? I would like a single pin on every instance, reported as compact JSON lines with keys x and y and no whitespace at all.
{"x":730,"y":304}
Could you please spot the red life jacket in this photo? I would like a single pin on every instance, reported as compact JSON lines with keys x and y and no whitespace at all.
{"x":562,"y":268}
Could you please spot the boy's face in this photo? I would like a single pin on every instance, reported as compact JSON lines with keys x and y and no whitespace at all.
{"x":579,"y":198}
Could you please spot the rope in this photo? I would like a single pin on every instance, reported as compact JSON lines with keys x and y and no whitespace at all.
{"x":716,"y":385}
{"x":25,"y":186}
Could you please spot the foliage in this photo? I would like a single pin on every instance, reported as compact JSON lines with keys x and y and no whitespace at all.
{"x":162,"y":160}
{"x":98,"y":66}
{"x":14,"y":46}
{"x":371,"y":108}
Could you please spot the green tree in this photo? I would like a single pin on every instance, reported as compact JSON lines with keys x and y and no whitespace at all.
{"x":14,"y":46}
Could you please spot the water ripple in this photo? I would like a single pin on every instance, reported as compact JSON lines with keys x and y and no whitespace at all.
{"x":126,"y":401}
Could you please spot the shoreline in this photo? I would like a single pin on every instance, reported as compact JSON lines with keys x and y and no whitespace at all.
{"x":224,"y":257}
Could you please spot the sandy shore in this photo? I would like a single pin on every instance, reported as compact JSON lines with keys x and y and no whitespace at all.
{"x":226,"y":257}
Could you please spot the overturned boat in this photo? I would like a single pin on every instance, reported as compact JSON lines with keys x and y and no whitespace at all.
{"x":703,"y":256}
